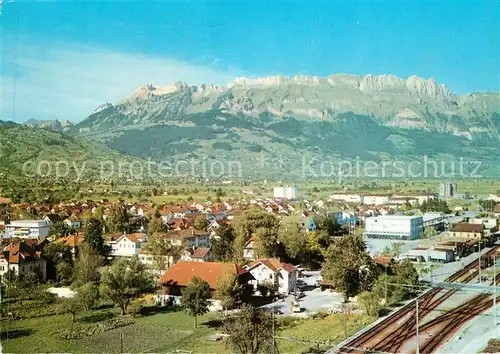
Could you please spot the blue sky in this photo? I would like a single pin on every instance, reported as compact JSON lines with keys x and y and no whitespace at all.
{"x":62,"y":59}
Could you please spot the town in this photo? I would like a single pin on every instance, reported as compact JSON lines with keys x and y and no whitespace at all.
{"x":342,"y":262}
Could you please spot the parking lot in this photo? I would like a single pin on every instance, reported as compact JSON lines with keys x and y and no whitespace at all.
{"x":312,"y":301}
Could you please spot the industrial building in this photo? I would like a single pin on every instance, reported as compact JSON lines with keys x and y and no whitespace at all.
{"x":394,"y":227}
{"x":441,"y":255}
{"x":288,"y":192}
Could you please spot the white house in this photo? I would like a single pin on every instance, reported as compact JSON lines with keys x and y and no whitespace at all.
{"x":27,"y":229}
{"x":22,"y":259}
{"x":73,"y":222}
{"x":270,"y":270}
{"x":189,"y":238}
{"x":127,"y":245}
{"x":249,"y":248}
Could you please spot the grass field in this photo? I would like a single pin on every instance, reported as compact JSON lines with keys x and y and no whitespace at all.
{"x":166,"y":332}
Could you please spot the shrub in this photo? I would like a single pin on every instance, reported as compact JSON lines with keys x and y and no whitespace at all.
{"x":80,"y":331}
{"x":135,"y":307}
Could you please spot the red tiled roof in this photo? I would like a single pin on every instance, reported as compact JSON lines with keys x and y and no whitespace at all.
{"x":272,"y":263}
{"x":464,"y":227}
{"x":200,"y":252}
{"x":19,"y":252}
{"x":182,"y":234}
{"x":182,"y":272}
{"x":4,"y":200}
{"x":73,"y":240}
{"x":385,"y":261}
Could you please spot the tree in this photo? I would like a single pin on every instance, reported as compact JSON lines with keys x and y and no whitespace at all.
{"x":437,"y":205}
{"x":248,"y":223}
{"x":429,"y":231}
{"x":348,"y":265}
{"x":329,"y":224}
{"x":250,"y":331}
{"x":222,"y":244}
{"x":64,"y":272}
{"x":72,"y":306}
{"x":201,"y":223}
{"x":266,"y":289}
{"x":93,"y":237}
{"x":59,"y":229}
{"x":87,"y":265}
{"x":156,"y":226}
{"x":124,"y":281}
{"x":163,"y":251}
{"x":88,"y":295}
{"x":294,"y":239}
{"x":118,"y":221}
{"x":195,"y":298}
{"x":370,"y":302}
{"x":227,"y":287}
{"x":397,"y":283}
{"x":56,"y":253}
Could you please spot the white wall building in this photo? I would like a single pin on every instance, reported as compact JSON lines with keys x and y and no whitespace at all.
{"x":270,"y":270}
{"x":126,"y":245}
{"x":375,"y":199}
{"x":288,"y":192}
{"x":27,"y":229}
{"x":394,"y":227}
{"x":346,"y":197}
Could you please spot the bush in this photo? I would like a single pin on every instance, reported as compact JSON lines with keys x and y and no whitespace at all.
{"x":32,"y":309}
{"x":80,"y":331}
{"x":320,"y":315}
{"x":135,"y":307}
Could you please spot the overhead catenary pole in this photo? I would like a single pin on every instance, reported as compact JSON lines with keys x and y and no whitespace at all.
{"x":479,"y":262}
{"x":495,"y":289}
{"x":416,"y":327}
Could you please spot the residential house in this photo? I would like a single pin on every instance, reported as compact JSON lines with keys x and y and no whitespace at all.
{"x":180,"y":275}
{"x":22,"y":258}
{"x":200,"y":254}
{"x":74,"y":242}
{"x":468,"y":231}
{"x":73,"y":222}
{"x":126,"y":245}
{"x":53,"y":218}
{"x":189,"y":238}
{"x":249,"y":249}
{"x":309,"y":225}
{"x":270,"y":270}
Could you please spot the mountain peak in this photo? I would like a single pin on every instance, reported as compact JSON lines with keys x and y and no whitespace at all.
{"x":148,"y":90}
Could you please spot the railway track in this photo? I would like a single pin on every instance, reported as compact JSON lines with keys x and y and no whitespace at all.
{"x":448,"y":322}
{"x":386,"y":323}
{"x":394,"y":341}
{"x":454,"y":322}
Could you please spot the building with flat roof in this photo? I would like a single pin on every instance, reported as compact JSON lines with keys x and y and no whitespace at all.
{"x":394,"y":227}
{"x":27,"y":229}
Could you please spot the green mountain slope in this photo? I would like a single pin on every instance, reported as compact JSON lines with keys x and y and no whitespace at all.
{"x":30,"y":151}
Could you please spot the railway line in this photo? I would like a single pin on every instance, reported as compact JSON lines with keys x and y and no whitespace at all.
{"x":391,"y":334}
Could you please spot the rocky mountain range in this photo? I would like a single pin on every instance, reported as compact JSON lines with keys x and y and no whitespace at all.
{"x":289,"y":119}
{"x":52,"y":124}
